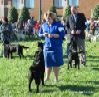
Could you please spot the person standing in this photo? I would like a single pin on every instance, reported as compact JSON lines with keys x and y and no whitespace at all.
{"x":5,"y":33}
{"x":75,"y":25}
{"x":6,"y":30}
{"x":53,"y":54}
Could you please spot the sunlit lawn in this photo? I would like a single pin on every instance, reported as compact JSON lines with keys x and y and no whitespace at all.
{"x":72,"y":83}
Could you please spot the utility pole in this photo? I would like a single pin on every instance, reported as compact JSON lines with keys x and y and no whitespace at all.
{"x":3,"y":8}
{"x":67,"y":2}
{"x":40,"y":11}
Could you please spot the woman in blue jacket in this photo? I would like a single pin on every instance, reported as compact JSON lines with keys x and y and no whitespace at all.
{"x":53,"y":54}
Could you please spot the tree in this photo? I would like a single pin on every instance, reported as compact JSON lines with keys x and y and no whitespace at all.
{"x":67,"y":11}
{"x":95,"y":13}
{"x":13,"y":15}
{"x":25,"y":15}
{"x":53,"y":9}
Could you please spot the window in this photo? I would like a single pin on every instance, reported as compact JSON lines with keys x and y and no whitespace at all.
{"x":1,"y":2}
{"x":73,"y":2}
{"x":29,"y":3}
{"x":58,"y":3}
{"x":16,"y":3}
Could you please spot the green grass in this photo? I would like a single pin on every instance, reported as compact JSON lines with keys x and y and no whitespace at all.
{"x":72,"y":83}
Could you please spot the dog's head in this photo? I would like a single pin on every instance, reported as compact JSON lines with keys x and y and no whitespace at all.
{"x":40,"y":45}
{"x":73,"y":47}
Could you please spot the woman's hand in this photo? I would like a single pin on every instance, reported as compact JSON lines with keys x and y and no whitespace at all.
{"x":45,"y":34}
{"x":78,"y":31}
{"x":50,"y":35}
{"x":73,"y":32}
{"x":53,"y":35}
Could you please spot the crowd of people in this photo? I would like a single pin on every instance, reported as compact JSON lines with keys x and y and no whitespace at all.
{"x":92,"y":29}
{"x":92,"y":26}
{"x":29,"y":27}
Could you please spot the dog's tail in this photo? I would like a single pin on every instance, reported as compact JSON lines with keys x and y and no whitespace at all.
{"x":25,"y":47}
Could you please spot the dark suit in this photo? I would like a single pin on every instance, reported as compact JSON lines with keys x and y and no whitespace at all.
{"x":74,"y":24}
{"x":79,"y":24}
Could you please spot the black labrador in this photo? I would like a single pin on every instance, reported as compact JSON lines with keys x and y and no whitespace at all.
{"x":73,"y":54}
{"x":37,"y":69}
{"x":9,"y":49}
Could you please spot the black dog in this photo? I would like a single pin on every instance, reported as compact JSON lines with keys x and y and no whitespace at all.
{"x":36,"y":71}
{"x":10,"y":48}
{"x":73,"y":54}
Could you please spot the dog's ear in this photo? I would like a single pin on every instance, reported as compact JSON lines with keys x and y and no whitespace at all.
{"x":38,"y":43}
{"x":36,"y":53}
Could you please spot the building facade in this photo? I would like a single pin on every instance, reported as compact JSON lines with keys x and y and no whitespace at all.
{"x":34,"y":6}
{"x":86,"y":6}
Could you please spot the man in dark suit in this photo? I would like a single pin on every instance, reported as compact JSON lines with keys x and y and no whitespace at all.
{"x":75,"y":25}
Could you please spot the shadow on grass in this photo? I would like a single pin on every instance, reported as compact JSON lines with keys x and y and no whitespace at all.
{"x":90,"y":82}
{"x":94,"y":66}
{"x":88,"y":90}
{"x":1,"y":56}
{"x":93,"y":60}
{"x":27,"y":57}
{"x":90,"y":56}
{"x":50,"y":88}
{"x":50,"y":85}
{"x":97,"y":69}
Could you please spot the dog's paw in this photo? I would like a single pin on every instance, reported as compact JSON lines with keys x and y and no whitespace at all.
{"x":30,"y":90}
{"x":68,"y":68}
{"x":37,"y":91}
{"x":43,"y":84}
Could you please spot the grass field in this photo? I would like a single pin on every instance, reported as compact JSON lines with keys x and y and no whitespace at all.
{"x":72,"y":83}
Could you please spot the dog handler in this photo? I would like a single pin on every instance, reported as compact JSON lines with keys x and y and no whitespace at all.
{"x":53,"y":55}
{"x":75,"y":24}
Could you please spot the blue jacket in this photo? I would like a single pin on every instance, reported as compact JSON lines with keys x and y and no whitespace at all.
{"x":55,"y":28}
